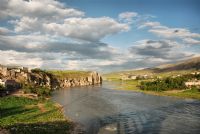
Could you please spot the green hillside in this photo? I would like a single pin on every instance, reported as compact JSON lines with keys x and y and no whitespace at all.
{"x":182,"y":67}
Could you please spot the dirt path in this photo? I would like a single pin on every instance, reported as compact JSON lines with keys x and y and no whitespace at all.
{"x":41,"y":107}
{"x":4,"y":131}
{"x":174,"y":91}
{"x":20,"y":93}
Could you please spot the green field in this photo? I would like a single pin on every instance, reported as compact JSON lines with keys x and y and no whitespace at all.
{"x":63,"y":73}
{"x":31,"y":116}
{"x":129,"y":85}
{"x":193,"y":94}
{"x":186,"y":94}
{"x":117,"y":75}
{"x":36,"y":116}
{"x":133,"y":85}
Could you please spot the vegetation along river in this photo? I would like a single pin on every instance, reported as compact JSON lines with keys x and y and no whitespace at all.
{"x":104,"y":110}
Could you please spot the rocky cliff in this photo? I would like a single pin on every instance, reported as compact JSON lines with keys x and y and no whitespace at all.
{"x":51,"y":80}
{"x":92,"y":79}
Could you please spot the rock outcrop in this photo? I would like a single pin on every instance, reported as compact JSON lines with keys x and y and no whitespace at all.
{"x":92,"y":79}
{"x":43,"y":78}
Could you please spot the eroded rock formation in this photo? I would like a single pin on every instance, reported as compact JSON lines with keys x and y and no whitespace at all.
{"x":92,"y":79}
{"x":42,"y":78}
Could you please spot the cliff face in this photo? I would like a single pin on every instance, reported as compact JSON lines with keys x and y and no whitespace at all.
{"x":92,"y":79}
{"x":54,"y":82}
{"x":47,"y":79}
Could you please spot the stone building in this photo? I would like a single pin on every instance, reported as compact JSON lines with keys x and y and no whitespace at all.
{"x":3,"y":70}
{"x":2,"y":82}
{"x":11,"y":84}
{"x":133,"y":77}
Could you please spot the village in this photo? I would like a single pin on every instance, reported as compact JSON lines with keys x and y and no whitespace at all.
{"x":11,"y":77}
{"x":151,"y":77}
{"x":193,"y":82}
{"x":136,"y":77}
{"x":14,"y":77}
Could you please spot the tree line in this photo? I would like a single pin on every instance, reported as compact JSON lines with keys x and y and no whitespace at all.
{"x":168,"y":83}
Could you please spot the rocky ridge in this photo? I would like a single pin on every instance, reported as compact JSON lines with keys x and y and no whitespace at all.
{"x":43,"y":78}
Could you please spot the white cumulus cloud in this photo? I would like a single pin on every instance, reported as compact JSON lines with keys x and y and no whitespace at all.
{"x":127,"y":16}
{"x":91,"y":29}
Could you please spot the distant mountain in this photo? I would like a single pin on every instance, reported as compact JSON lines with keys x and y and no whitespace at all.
{"x":190,"y":64}
{"x":179,"y":67}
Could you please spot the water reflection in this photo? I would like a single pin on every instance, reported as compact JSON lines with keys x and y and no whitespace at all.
{"x":104,"y":110}
{"x":178,"y":118}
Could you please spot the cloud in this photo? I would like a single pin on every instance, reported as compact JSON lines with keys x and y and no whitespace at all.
{"x":174,"y":33}
{"x":44,"y":43}
{"x":92,"y":29}
{"x":53,"y":17}
{"x":15,"y":58}
{"x":4,"y":31}
{"x":150,"y":24}
{"x":127,"y":17}
{"x":171,"y":33}
{"x":191,"y":41}
{"x":35,"y":60}
{"x":51,"y":35}
{"x":49,"y":9}
{"x":55,"y":61}
{"x":134,"y":63}
{"x":161,"y":49}
{"x":26,"y":24}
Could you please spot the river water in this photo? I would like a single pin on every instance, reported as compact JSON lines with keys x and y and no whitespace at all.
{"x":104,"y":110}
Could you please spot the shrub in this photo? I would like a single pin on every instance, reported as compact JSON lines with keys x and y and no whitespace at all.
{"x":195,"y":88}
{"x":37,"y":70}
{"x":165,"y":84}
{"x":39,"y":90}
{"x":43,"y":91}
{"x":2,"y":87}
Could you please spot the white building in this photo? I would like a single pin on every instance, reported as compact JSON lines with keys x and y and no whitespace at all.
{"x":2,"y":82}
{"x":192,"y":83}
{"x":133,"y":77}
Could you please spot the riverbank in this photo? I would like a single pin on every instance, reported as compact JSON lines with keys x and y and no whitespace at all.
{"x":101,"y":109}
{"x":133,"y":86}
{"x":29,"y":110}
{"x":25,"y":115}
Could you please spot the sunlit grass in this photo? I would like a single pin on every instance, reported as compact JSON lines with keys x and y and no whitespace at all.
{"x":134,"y":86}
{"x":174,"y":73}
{"x":20,"y":115}
{"x":69,"y":73}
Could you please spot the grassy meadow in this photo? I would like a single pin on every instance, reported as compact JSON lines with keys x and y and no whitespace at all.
{"x":69,"y":73}
{"x":32,"y":116}
{"x":135,"y":84}
{"x":27,"y":115}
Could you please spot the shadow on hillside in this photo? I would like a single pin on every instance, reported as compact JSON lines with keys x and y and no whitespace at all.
{"x":5,"y":112}
{"x":59,"y":127}
{"x":43,"y":114}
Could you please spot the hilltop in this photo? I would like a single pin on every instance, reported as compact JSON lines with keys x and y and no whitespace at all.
{"x":181,"y":79}
{"x":190,"y":64}
{"x":180,"y":67}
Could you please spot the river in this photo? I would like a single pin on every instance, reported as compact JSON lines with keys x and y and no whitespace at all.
{"x":104,"y":110}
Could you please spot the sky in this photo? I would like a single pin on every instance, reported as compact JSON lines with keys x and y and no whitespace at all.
{"x":100,"y":35}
